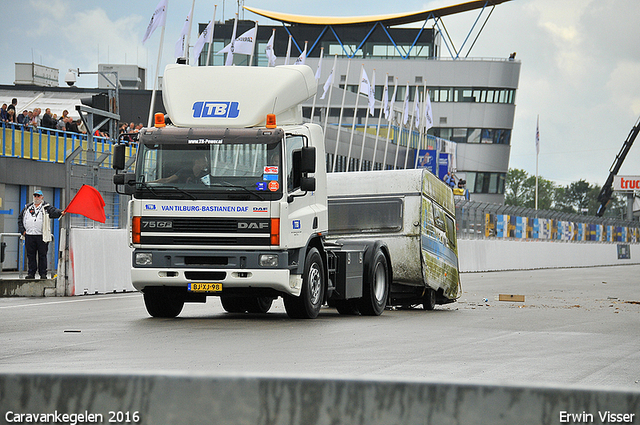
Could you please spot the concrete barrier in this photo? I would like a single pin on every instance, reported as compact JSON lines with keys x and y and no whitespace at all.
{"x":178,"y":399}
{"x":479,"y":255}
{"x":12,"y":287}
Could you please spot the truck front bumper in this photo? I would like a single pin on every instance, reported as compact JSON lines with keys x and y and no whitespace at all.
{"x":230,"y":268}
{"x":279,"y":280}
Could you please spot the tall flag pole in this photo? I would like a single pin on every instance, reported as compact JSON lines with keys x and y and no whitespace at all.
{"x":271,"y":54}
{"x":253,"y":45}
{"x":405,"y":119}
{"x":286,"y":59}
{"x":210,"y":35}
{"x":415,"y":122}
{"x":158,"y":19}
{"x":318,"y":72}
{"x":372,"y":99}
{"x":186,"y":41}
{"x":182,"y":45}
{"x":344,"y":93}
{"x":537,"y":154}
{"x":328,"y":85}
{"x":363,"y":77}
{"x":390,"y":121}
{"x":385,"y":104}
{"x":229,"y":60}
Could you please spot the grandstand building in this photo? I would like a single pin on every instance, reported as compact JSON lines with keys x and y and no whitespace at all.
{"x":473,"y":99}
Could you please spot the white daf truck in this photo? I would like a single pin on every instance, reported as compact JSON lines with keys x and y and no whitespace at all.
{"x":229,"y":199}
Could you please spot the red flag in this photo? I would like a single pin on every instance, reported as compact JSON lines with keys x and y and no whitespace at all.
{"x":89,"y":203}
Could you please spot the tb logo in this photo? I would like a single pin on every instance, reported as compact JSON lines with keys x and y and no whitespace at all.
{"x":215,"y":110}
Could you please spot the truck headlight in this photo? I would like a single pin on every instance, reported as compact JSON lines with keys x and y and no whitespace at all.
{"x":144,"y":259}
{"x":268,"y":260}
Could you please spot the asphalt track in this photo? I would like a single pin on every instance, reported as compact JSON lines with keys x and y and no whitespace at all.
{"x":576,"y":327}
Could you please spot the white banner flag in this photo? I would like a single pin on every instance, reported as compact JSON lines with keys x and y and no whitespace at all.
{"x":243,"y":44}
{"x":303,"y":56}
{"x":393,"y":101}
{"x":181,"y":49}
{"x":286,"y":58}
{"x":271,"y":55}
{"x":416,"y":110}
{"x":204,"y":37}
{"x":428,"y":113}
{"x":405,"y":108}
{"x":327,"y":84}
{"x":158,"y":19}
{"x":385,"y":98}
{"x":319,"y":70}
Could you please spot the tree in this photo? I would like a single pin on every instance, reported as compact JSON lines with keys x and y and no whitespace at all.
{"x":521,"y":190}
{"x":514,"y":187}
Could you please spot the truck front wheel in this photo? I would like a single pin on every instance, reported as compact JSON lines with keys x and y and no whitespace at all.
{"x":375,"y":286}
{"x":307,"y":305}
{"x":164,"y":302}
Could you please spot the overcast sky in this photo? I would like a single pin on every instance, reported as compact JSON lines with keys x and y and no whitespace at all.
{"x":580,"y":61}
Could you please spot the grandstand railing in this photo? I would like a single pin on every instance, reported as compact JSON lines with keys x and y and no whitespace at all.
{"x":84,"y":165}
{"x":479,"y":220}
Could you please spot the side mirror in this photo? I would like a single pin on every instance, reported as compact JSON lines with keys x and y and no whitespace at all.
{"x":308,"y":184}
{"x":128,"y":180}
{"x":308,"y":160}
{"x":119,"y":157}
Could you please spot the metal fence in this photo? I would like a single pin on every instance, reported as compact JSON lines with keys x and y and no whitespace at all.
{"x":479,"y":220}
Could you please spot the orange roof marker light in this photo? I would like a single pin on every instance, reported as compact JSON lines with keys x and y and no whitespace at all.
{"x":271,"y":120}
{"x":159,"y":120}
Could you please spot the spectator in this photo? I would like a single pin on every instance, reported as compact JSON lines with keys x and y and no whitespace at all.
{"x":450,"y":179}
{"x":47,"y":119}
{"x":11,"y":116}
{"x":62,"y":121}
{"x":3,"y":112}
{"x":81,"y":128}
{"x":36,"y":119}
{"x":23,"y":118}
{"x":72,"y":126}
{"x":14,"y":103}
{"x":34,"y":225}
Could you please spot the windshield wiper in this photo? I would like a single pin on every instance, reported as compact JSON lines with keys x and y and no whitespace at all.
{"x":227,"y":184}
{"x":165,"y":186}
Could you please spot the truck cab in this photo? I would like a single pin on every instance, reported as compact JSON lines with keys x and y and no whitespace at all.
{"x":230,"y":198}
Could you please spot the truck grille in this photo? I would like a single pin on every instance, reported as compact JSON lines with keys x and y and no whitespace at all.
{"x":204,"y":231}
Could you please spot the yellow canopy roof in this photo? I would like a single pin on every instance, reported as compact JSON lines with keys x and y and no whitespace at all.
{"x":387,"y":20}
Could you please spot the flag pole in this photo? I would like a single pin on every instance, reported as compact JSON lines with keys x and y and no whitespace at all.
{"x":313,"y":106}
{"x":372,"y":91}
{"x":286,"y":59}
{"x":390,"y":120}
{"x":155,"y":80}
{"x":537,"y":154}
{"x":328,"y":107}
{"x":253,"y":46}
{"x":188,"y":38}
{"x":344,"y":93}
{"x":210,"y":36}
{"x":355,"y":115}
{"x":385,"y":93}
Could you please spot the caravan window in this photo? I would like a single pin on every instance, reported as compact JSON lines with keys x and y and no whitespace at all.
{"x":379,"y":215}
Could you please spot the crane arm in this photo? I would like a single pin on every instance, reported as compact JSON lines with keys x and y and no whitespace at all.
{"x":607,"y":189}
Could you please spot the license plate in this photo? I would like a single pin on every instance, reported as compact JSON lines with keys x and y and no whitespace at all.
{"x":205,"y":287}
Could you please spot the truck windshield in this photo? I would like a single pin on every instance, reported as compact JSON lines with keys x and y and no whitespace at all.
{"x":210,"y":169}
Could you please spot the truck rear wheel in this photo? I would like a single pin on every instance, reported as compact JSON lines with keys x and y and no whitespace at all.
{"x":307,"y":305}
{"x":164,"y":302}
{"x":375,"y":286}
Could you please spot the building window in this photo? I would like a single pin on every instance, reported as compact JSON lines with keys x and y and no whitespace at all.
{"x":484,"y":182}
